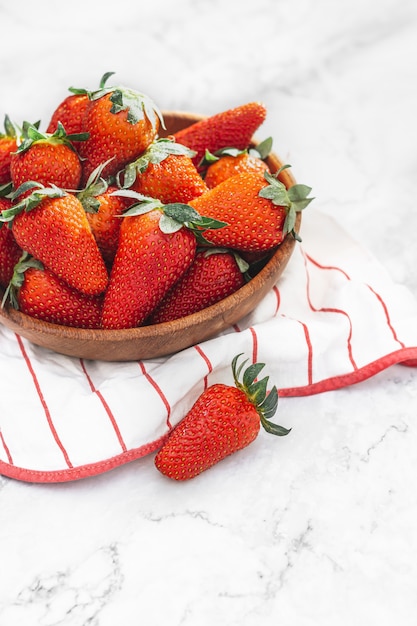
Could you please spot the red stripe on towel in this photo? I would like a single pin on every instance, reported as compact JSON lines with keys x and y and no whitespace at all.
{"x":254,"y":345}
{"x":310,"y":353}
{"x":331,"y":309}
{"x":207,"y":362}
{"x":43,"y":402}
{"x":387,"y":316}
{"x":6,"y":449}
{"x":159,"y":391}
{"x":371,"y":289}
{"x":326,"y":267}
{"x":278,"y":297}
{"x":105,"y":406}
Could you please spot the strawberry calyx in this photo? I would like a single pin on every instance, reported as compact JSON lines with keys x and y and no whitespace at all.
{"x":240,"y":262}
{"x":30,"y":201}
{"x":31,"y":134}
{"x":10,"y":129}
{"x":261,"y":151}
{"x":292,"y":200}
{"x":95,"y":186}
{"x":137,"y":104}
{"x":266,"y":403}
{"x":6,"y":190}
{"x":86,"y":92}
{"x":175,"y":215}
{"x":156,"y":152}
{"x":24,"y":263}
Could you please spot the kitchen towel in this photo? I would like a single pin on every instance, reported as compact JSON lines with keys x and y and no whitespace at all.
{"x":334,"y":318}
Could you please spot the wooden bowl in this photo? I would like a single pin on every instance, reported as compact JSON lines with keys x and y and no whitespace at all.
{"x":169,"y":337}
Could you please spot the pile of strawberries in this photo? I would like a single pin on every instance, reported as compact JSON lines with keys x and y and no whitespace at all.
{"x":106,"y":222}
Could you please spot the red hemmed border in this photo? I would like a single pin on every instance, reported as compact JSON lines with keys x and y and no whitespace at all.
{"x":404,"y":356}
{"x":83,"y":471}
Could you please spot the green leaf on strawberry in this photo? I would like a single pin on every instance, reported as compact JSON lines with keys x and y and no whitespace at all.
{"x":137,"y":105}
{"x":31,"y":134}
{"x":261,"y":151}
{"x":157,"y":152}
{"x":10,"y":129}
{"x":256,"y":390}
{"x":175,"y":215}
{"x":102,"y":86}
{"x":25,"y":262}
{"x":293,"y":199}
{"x":263,"y":148}
{"x":31,"y":201}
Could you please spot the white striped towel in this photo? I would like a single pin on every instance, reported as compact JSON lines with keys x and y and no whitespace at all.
{"x":334,"y":318}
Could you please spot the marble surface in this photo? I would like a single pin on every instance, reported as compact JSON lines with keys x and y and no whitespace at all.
{"x":319,"y":528}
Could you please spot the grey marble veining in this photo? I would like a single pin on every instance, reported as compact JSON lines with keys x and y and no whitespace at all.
{"x":322,"y":529}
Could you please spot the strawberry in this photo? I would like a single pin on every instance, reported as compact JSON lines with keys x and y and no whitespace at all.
{"x":10,"y":252}
{"x":70,"y":112}
{"x":8,"y":145}
{"x":233,"y":127}
{"x":38,"y":292}
{"x":157,"y":245}
{"x":103,"y":209}
{"x":230,"y":161}
{"x":52,"y":226}
{"x":165,"y":171}
{"x":105,"y":223}
{"x":121,"y":123}
{"x":223,"y":420}
{"x":214,"y":274}
{"x":47,"y":159}
{"x":259,"y":210}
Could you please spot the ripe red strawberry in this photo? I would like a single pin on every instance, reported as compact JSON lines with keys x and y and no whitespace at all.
{"x":214,"y":274}
{"x":52,"y":226}
{"x":230,"y":161}
{"x":157,"y":245}
{"x":165,"y":171}
{"x":104,"y":208}
{"x":233,"y":127}
{"x":259,"y":211}
{"x":121,"y":123}
{"x":105,"y":223}
{"x":8,"y":144}
{"x":10,"y":252}
{"x":223,"y":420}
{"x":38,"y":292}
{"x":70,"y":112}
{"x":47,"y":159}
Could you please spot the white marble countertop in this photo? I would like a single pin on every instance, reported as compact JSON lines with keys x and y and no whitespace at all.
{"x":322,"y":529}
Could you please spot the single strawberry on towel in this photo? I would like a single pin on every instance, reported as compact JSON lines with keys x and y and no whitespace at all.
{"x":223,"y":420}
